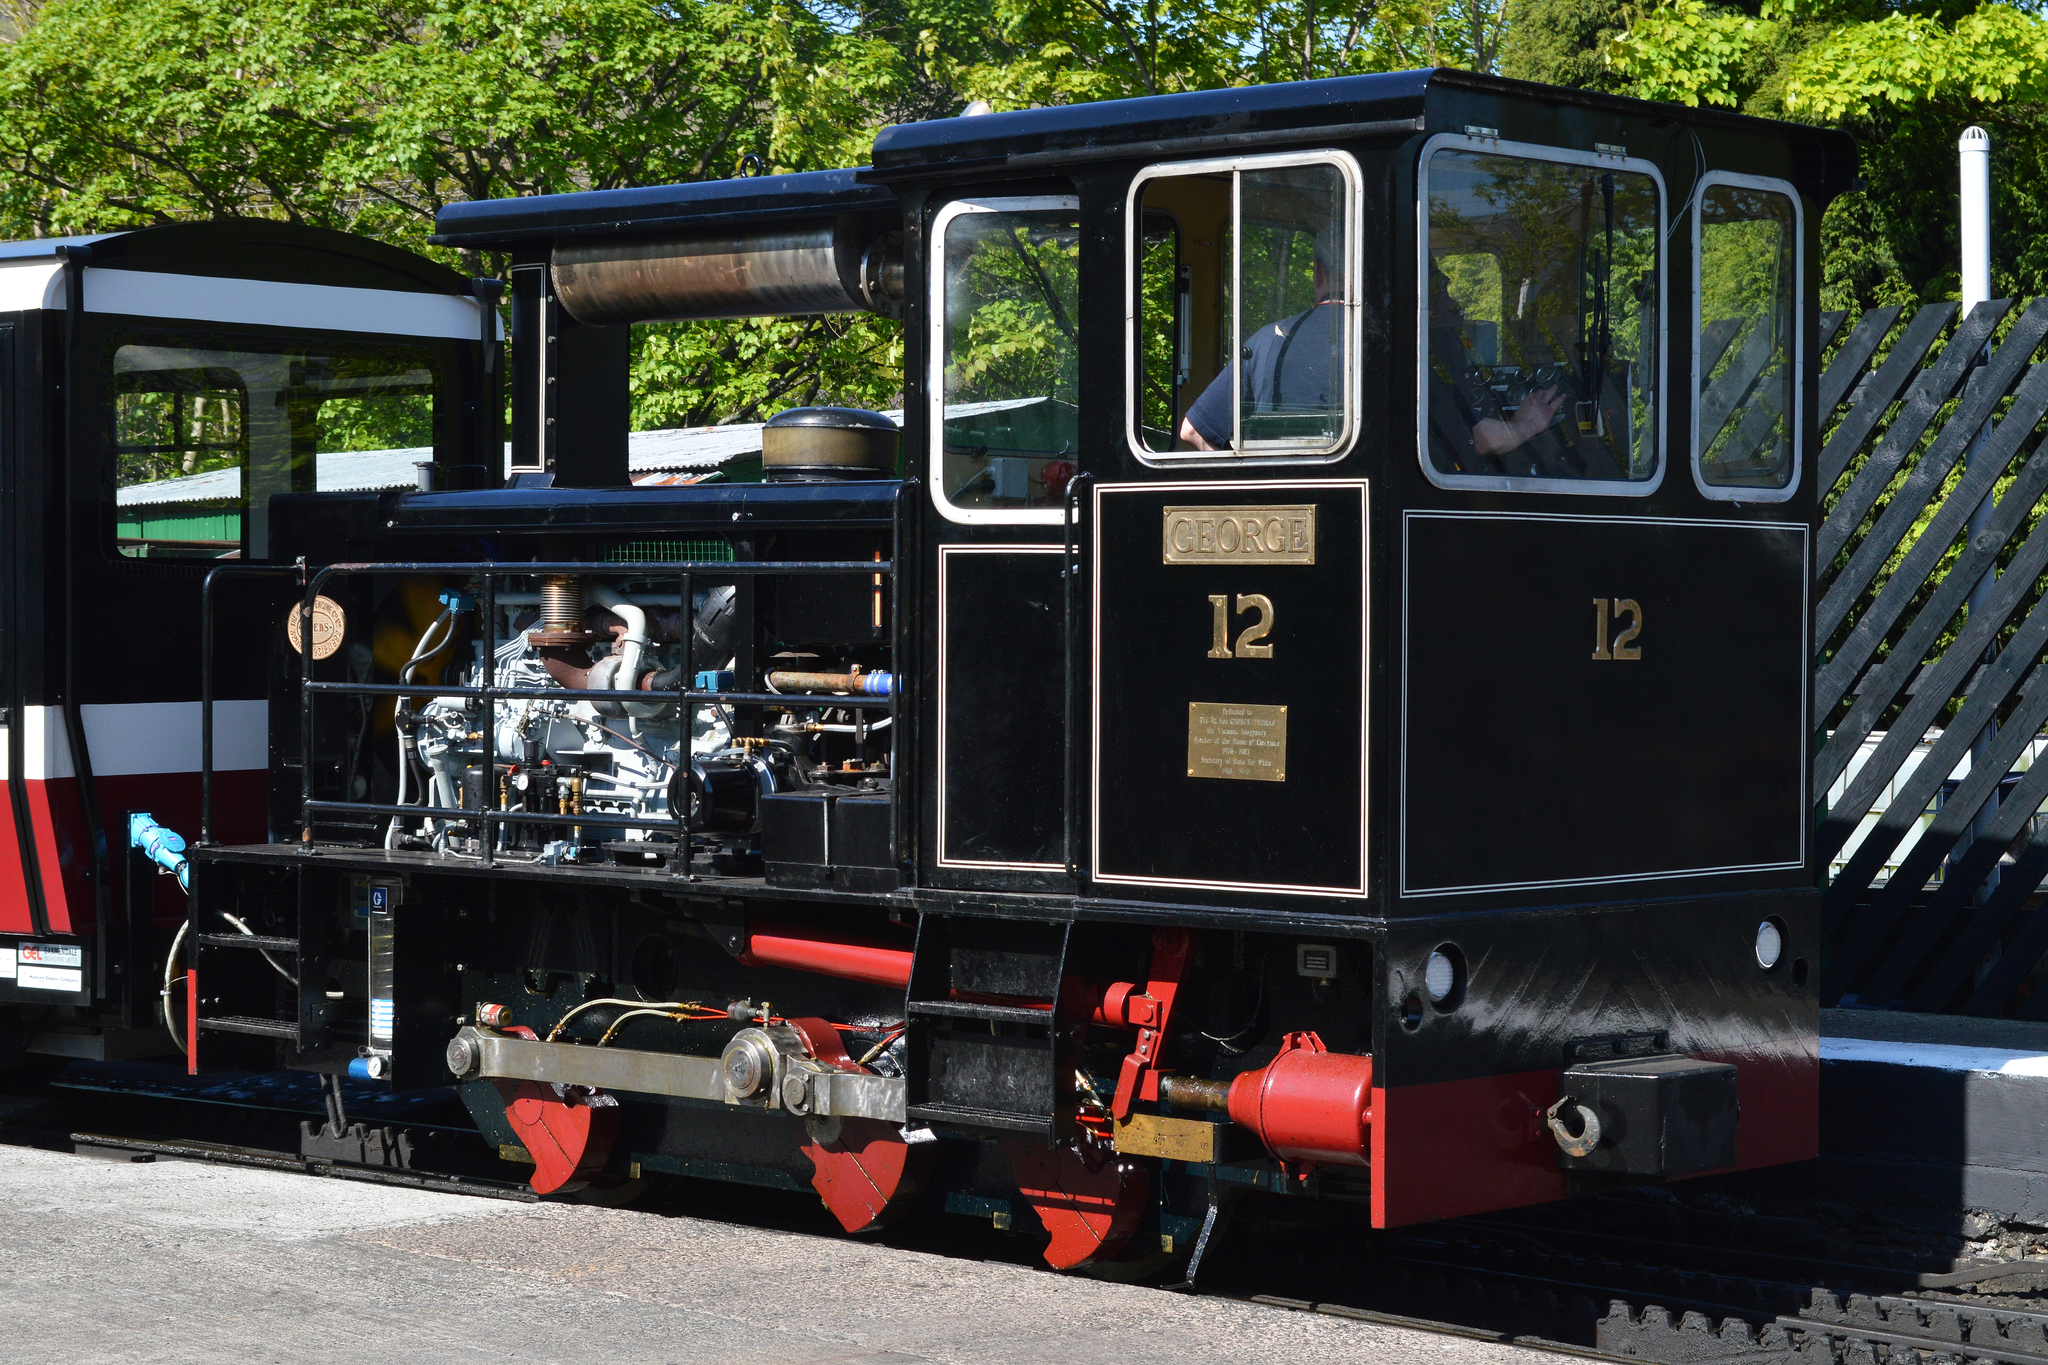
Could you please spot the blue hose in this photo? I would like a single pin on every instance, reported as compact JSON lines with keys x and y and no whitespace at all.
{"x":164,"y":847}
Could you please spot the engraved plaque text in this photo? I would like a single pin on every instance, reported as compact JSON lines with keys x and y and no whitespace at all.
{"x":1240,"y":535}
{"x":1236,"y":740}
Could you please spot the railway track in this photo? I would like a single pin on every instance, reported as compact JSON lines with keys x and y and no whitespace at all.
{"x":1537,"y":1279}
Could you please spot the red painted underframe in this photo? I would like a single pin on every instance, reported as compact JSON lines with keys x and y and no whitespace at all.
{"x":1455,"y":1148}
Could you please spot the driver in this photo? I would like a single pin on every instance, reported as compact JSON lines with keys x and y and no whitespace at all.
{"x":1294,"y":364}
{"x":1461,"y":441}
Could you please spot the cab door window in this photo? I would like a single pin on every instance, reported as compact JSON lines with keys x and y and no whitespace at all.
{"x":1244,"y":299}
{"x":1541,"y":327}
{"x":1746,"y":259}
{"x":1005,"y":345}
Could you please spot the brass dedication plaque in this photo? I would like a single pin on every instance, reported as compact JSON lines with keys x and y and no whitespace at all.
{"x":1243,"y":742}
{"x":1240,"y":535}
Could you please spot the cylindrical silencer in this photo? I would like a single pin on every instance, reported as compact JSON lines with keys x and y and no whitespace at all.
{"x":758,"y":270}
{"x":1308,"y":1105}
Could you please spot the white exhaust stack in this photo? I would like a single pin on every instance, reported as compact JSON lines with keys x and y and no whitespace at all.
{"x":1973,"y":160}
{"x":1973,"y":153}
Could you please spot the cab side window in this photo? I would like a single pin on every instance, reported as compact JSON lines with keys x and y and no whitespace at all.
{"x":1746,"y":364}
{"x":1006,"y":351}
{"x":1245,"y":289}
{"x":1541,"y":320}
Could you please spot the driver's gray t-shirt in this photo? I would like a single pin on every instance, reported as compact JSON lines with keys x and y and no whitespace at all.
{"x":1293,"y":368}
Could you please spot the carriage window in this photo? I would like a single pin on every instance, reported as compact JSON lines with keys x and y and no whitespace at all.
{"x":1746,"y":396}
{"x":1006,"y":346}
{"x":206,"y":428}
{"x":1246,"y":307}
{"x":1542,"y":288}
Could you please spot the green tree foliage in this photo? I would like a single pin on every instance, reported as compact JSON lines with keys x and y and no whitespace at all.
{"x":369,"y":117}
{"x":1904,"y":79}
{"x":1564,"y":42}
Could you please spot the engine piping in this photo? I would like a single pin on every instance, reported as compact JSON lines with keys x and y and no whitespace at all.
{"x":777,"y":945}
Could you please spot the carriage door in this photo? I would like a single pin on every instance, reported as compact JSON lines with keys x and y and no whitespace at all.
{"x":1005,"y":300}
{"x":21,"y":909}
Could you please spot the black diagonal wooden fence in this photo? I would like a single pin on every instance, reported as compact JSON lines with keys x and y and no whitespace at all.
{"x":1930,"y":708}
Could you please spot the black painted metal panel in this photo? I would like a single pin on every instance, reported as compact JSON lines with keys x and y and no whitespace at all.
{"x":1002,"y":721}
{"x":1156,"y":643}
{"x":1581,"y":768}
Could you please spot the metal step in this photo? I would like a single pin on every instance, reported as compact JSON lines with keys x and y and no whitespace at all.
{"x":243,"y":1023}
{"x":965,"y":1009}
{"x":961,"y":1116}
{"x":275,"y":945}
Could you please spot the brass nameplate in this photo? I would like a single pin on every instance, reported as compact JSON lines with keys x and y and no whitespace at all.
{"x":1240,"y":535}
{"x":1232,"y":740}
{"x":1170,"y":1138}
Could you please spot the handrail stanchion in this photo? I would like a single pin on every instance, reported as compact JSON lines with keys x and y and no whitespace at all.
{"x":897,"y":654}
{"x":487,"y":800}
{"x":1070,"y":526}
{"x":686,"y":715}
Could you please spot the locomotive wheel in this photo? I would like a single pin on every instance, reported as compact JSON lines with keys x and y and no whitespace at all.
{"x":566,"y":1129}
{"x":1090,"y":1199}
{"x":867,"y":1175}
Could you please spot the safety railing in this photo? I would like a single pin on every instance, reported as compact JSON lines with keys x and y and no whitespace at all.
{"x":490,"y":815}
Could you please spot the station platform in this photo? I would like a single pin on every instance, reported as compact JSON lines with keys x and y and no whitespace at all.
{"x":1940,"y":1109}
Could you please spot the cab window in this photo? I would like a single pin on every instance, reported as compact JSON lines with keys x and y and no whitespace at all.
{"x":1541,"y":321}
{"x":1006,"y":351}
{"x":205,"y":428}
{"x":1244,"y":298}
{"x":1745,"y":378}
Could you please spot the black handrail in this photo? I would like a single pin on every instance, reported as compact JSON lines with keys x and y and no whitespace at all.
{"x":1070,"y":571}
{"x":489,"y":816}
{"x":206,"y":677}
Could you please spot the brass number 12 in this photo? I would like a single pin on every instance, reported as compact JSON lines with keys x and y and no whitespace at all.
{"x":1247,"y":640}
{"x":1621,"y":649}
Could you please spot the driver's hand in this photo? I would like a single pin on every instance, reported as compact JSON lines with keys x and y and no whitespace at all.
{"x":1539,"y":407}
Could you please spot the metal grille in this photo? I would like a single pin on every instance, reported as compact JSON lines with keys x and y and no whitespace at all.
{"x":1930,"y":693}
{"x":674,"y":551}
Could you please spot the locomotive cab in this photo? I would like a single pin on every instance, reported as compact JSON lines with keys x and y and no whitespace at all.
{"x":1311,"y":694}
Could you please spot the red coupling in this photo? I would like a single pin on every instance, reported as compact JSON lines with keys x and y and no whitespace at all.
{"x":1308,"y":1105}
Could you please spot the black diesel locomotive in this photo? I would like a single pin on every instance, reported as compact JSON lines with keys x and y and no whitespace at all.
{"x":1311,"y":697}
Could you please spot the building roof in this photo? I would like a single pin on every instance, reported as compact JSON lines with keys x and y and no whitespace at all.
{"x":652,"y":457}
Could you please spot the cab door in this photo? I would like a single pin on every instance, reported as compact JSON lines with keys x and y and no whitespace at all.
{"x":1003,"y":424}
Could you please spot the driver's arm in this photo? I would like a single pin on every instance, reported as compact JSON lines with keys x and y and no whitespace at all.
{"x":1492,"y":436}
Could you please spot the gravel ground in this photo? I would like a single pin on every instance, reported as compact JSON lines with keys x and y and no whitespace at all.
{"x":173,"y":1261}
